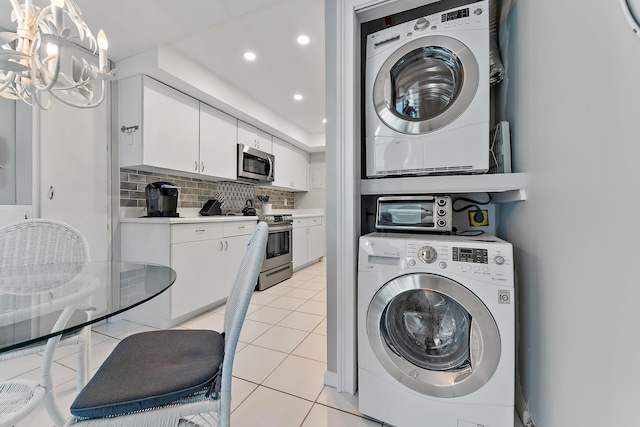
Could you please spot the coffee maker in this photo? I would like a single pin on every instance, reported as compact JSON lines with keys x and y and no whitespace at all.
{"x":162,"y":199}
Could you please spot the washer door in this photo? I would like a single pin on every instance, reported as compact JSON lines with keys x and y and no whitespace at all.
{"x":434,"y":335}
{"x":426,"y":84}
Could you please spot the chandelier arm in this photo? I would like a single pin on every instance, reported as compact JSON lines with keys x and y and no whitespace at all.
{"x":17,"y":9}
{"x":41,"y":15}
{"x":92,"y":105}
{"x":10,"y":78}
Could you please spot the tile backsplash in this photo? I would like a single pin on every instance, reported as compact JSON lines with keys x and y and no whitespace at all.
{"x":194,"y":192}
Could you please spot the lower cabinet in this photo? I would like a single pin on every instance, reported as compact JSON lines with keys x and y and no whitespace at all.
{"x":308,"y":241}
{"x":205,"y":256}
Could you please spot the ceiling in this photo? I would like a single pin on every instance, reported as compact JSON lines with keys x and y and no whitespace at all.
{"x":215,"y":34}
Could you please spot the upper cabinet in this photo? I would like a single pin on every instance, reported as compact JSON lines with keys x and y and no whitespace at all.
{"x":217,"y":143}
{"x":162,"y":128}
{"x":292,"y":166}
{"x":159,"y":126}
{"x":254,"y":137}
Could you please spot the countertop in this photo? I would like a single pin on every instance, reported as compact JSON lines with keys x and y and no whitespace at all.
{"x":189,"y":220}
{"x":190,"y":216}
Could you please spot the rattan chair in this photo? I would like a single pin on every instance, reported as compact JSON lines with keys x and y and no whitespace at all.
{"x":141,"y":382}
{"x":33,"y":244}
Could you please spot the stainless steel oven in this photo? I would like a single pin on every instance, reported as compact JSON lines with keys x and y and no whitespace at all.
{"x":278,"y":258}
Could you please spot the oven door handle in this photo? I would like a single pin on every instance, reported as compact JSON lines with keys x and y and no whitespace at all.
{"x":276,"y":228}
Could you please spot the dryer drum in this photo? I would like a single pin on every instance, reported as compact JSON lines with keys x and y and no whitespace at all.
{"x":425,"y":85}
{"x":425,"y":82}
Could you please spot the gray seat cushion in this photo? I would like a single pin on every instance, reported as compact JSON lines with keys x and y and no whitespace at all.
{"x":151,"y":369}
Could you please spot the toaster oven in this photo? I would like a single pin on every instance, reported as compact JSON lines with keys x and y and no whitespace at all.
{"x":414,"y":213}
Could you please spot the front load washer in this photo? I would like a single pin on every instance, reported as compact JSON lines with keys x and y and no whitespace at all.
{"x":427,"y":95}
{"x":436,"y":330}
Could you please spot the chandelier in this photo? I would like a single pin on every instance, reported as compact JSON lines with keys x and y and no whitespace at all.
{"x":32,"y":63}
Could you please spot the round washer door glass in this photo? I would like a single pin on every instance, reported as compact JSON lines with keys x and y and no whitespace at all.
{"x":426,"y":84}
{"x":433,"y":334}
{"x":429,"y":329}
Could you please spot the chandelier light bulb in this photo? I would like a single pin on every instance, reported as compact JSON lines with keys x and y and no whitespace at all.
{"x":57,"y":3}
{"x":52,"y":49}
{"x":103,"y":42}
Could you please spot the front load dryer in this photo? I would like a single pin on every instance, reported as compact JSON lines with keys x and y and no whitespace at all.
{"x":427,"y":95}
{"x":436,"y":344}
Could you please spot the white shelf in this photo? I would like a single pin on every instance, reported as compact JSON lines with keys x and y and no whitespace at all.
{"x":509,"y":187}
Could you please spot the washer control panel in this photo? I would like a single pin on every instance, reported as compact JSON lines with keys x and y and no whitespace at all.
{"x":489,"y":262}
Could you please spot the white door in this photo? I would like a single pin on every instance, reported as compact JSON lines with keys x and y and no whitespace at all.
{"x":75,"y":161}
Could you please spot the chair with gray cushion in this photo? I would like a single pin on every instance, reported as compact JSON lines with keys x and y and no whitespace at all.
{"x":173,"y":377}
{"x":40,"y":244}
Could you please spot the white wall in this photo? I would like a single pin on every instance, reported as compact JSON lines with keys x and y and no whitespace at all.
{"x":571,"y":96}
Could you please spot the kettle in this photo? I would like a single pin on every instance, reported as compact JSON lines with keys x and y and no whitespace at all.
{"x":162,"y":199}
{"x":248,"y":209}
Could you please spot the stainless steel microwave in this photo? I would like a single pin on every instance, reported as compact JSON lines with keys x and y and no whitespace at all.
{"x":255,"y":166}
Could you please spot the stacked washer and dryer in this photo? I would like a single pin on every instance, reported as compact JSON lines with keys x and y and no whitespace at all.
{"x":436,"y":317}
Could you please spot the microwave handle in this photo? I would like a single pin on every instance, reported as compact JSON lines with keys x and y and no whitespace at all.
{"x":270,"y":176}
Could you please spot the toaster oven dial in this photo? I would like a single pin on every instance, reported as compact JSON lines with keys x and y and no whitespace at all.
{"x":427,"y":254}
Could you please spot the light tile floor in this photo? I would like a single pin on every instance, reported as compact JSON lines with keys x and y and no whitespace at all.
{"x":278,"y":370}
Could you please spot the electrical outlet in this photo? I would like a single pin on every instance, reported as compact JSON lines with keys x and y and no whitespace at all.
{"x":473,"y":221}
{"x":285,"y":202}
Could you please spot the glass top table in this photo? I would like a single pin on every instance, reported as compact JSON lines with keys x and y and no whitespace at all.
{"x":33,"y":298}
{"x":41,"y":303}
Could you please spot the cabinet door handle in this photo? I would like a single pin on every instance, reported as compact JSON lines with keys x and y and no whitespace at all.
{"x":51,"y":192}
{"x":226,"y":245}
{"x":221,"y":245}
{"x":202,"y":167}
{"x":196,"y":167}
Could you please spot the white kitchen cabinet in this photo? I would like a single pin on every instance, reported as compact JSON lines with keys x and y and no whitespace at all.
{"x":292,"y":166}
{"x":168,"y":126}
{"x":308,"y":241}
{"x":253,"y":137}
{"x":205,"y":256}
{"x":218,"y":148}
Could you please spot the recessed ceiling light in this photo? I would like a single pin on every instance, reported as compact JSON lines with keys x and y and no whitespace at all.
{"x":303,"y":39}
{"x":324,"y":120}
{"x":249,"y":56}
{"x":297,"y":97}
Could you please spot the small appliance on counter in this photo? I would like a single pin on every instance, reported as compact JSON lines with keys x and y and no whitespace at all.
{"x":162,"y":199}
{"x":414,"y":213}
{"x":248,"y":209}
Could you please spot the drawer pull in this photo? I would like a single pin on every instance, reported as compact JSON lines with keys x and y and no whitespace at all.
{"x":241,"y":227}
{"x":200,"y":230}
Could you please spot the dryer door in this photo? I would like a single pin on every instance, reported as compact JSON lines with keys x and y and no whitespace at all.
{"x":434,"y":335}
{"x":426,"y":84}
